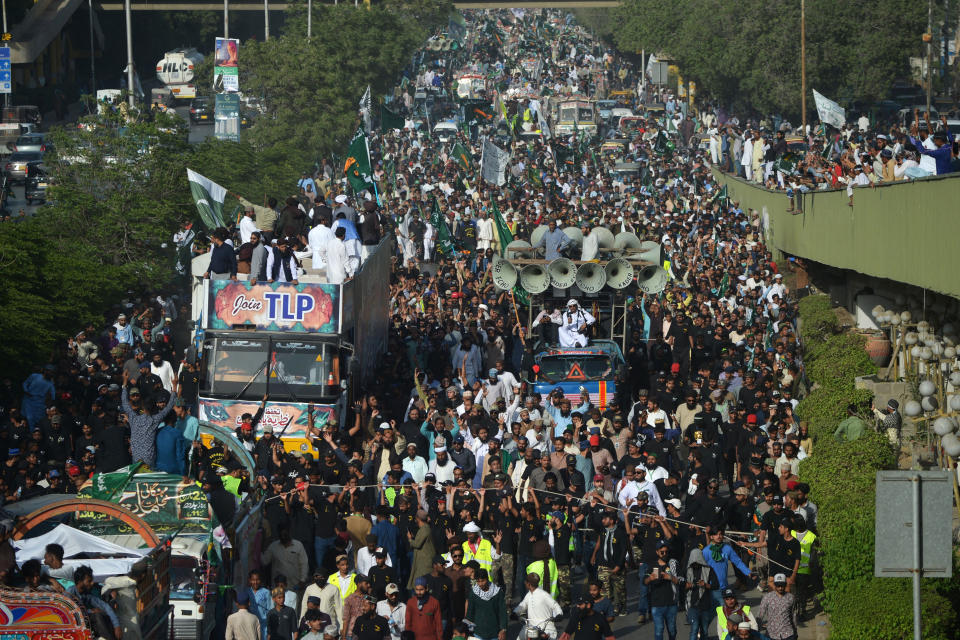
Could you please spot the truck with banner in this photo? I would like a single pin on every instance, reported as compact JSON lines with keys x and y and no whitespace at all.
{"x":594,"y":369}
{"x":299,"y":344}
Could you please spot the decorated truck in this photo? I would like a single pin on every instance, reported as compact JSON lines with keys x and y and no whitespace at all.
{"x":594,"y":368}
{"x":299,"y":344}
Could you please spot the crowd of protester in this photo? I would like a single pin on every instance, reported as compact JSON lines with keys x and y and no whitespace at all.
{"x":451,"y":495}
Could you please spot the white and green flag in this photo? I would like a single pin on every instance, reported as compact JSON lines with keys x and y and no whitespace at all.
{"x":208,"y":196}
{"x":493,"y":163}
{"x":829,"y":111}
{"x":357,"y":166}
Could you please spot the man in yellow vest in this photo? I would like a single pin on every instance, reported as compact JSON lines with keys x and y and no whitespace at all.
{"x":544,"y":563}
{"x":478,"y":548}
{"x":807,"y":540}
{"x":731,"y":613}
{"x":344,"y":580}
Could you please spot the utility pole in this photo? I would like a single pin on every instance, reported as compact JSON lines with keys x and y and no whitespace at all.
{"x":803,"y":65}
{"x":93,"y":59}
{"x":6,"y":96}
{"x":226,"y":19}
{"x":266,"y":20}
{"x":929,"y":40}
{"x":130,"y":86}
{"x":309,"y":18}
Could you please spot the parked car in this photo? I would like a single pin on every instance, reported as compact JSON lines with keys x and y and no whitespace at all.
{"x":31,"y":142}
{"x":16,"y":167}
{"x":201,"y":110}
{"x":36,"y":183}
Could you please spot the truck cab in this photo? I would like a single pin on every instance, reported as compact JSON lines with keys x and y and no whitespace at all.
{"x":578,"y":114}
{"x":595,"y":368}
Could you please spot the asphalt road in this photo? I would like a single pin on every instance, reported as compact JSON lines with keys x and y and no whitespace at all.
{"x":198,"y":132}
{"x":17,"y":203}
{"x":626,"y":626}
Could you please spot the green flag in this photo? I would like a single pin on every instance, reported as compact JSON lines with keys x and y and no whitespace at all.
{"x":721,"y":195}
{"x":787,"y":163}
{"x":208,"y":196}
{"x":463,"y":156}
{"x":663,"y":146}
{"x":389,"y":120}
{"x":444,"y":239}
{"x":505,"y":236}
{"x":534,"y":174}
{"x":357,"y":165}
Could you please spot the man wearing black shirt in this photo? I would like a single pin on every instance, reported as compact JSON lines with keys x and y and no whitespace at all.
{"x":586,"y":624}
{"x":785,"y":554}
{"x":441,"y":588}
{"x":506,"y":521}
{"x":368,"y":625}
{"x":531,"y":530}
{"x":709,"y":508}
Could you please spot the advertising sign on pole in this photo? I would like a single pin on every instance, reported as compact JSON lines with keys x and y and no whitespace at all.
{"x":226,"y":72}
{"x":226,"y":117}
{"x":6,"y":79}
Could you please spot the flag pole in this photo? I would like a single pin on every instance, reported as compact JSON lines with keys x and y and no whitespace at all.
{"x":516,"y":314}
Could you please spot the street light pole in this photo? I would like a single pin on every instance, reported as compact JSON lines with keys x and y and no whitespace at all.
{"x":929,"y":54}
{"x":803,"y":64}
{"x":266,"y":20}
{"x":130,"y":88}
{"x":309,"y":18}
{"x":226,"y":19}
{"x":93,"y":59}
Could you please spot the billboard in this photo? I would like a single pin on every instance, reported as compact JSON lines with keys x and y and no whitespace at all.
{"x":226,"y":117}
{"x":226,"y":71}
{"x":276,"y":306}
{"x":288,"y":418}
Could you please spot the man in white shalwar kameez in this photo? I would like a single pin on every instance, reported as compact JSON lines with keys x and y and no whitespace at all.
{"x":339,"y":265}
{"x":538,"y":607}
{"x":573,"y":325}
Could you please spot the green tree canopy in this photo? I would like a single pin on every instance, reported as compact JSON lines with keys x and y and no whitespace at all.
{"x":747,"y":54}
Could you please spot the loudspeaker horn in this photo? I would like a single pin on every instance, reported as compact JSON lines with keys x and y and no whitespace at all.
{"x":626,"y":241}
{"x":619,"y":273}
{"x":514,"y":250}
{"x":537,"y":234}
{"x":652,"y":279}
{"x":605,"y":238}
{"x":649,"y":252}
{"x":534,"y":278}
{"x":575,"y":235}
{"x":591,"y":277}
{"x":504,"y":274}
{"x":563,"y":273}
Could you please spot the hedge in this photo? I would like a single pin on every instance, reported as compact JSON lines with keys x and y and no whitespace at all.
{"x":842,"y":477}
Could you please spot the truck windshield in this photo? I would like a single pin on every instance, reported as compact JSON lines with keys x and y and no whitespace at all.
{"x":585,"y":114}
{"x":183,"y":578}
{"x":586,"y":367}
{"x":287,"y":369}
{"x":567,"y":114}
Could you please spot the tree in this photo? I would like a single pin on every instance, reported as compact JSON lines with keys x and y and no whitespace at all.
{"x":746,"y":54}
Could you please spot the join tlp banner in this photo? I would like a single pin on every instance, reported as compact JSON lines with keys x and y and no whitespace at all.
{"x":226,"y":72}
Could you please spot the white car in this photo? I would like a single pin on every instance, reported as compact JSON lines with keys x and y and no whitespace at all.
{"x":445,"y":131}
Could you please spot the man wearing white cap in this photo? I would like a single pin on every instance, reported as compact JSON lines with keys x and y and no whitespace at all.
{"x":478,"y":548}
{"x":573,"y":325}
{"x":342,"y":207}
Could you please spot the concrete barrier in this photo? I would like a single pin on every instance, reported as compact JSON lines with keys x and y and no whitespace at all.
{"x":906,"y":231}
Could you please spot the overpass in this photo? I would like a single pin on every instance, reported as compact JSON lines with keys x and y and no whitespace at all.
{"x":282,"y":6}
{"x":906,"y":232}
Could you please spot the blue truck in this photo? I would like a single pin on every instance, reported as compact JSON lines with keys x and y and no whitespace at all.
{"x":595,"y":368}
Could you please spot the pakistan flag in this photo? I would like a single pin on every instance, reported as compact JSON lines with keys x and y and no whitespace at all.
{"x":357,"y":166}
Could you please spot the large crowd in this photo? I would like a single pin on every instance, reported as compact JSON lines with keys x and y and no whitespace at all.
{"x":452,"y":496}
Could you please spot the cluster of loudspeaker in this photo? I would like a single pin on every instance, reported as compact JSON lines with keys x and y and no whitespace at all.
{"x":617,"y":272}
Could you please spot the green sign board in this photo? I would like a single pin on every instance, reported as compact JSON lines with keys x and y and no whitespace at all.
{"x":163,"y":500}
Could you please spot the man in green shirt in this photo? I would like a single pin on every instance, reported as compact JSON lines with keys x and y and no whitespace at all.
{"x":852,"y":426}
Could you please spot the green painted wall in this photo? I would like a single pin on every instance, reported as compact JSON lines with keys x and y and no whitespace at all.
{"x":908,"y":232}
